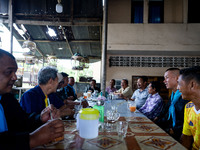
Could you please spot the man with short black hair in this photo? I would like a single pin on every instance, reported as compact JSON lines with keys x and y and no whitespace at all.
{"x":111,"y":88}
{"x":93,"y":86}
{"x":70,"y":89}
{"x":171,"y":118}
{"x":140,"y":95}
{"x":154,"y":103}
{"x":189,"y":86}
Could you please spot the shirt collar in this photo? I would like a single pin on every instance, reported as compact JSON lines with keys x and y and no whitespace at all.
{"x":154,"y":95}
{"x":69,"y":85}
{"x":40,"y":91}
{"x":146,"y":89}
{"x":196,"y":111}
{"x":125,"y":88}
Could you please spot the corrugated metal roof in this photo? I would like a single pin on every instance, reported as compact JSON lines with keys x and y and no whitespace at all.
{"x":78,"y":28}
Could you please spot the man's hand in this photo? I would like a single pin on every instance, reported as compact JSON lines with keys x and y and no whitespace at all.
{"x":47,"y":133}
{"x":65,"y":111}
{"x":85,"y":104}
{"x":70,"y":98}
{"x":187,"y":141}
{"x":171,"y":132}
{"x":47,"y":112}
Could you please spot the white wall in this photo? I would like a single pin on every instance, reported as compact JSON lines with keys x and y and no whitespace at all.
{"x":169,"y":37}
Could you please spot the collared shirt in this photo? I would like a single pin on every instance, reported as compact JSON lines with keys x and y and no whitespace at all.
{"x":109,"y":89}
{"x":3,"y":123}
{"x":153,"y":106}
{"x":191,"y":126}
{"x":140,"y":97}
{"x":33,"y":100}
{"x":20,"y":125}
{"x":70,"y":91}
{"x":127,"y":92}
{"x":96,"y":88}
{"x":61,"y":93}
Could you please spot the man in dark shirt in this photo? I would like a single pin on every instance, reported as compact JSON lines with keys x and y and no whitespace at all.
{"x":61,"y":87}
{"x":171,"y":118}
{"x":35,"y":99}
{"x":93,"y":86}
{"x":70,"y":89}
{"x":67,"y":93}
{"x":19,"y":130}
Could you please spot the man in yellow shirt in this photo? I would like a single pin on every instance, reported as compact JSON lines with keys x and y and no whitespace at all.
{"x":189,"y":86}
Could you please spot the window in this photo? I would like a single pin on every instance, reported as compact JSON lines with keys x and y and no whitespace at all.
{"x":137,"y":11}
{"x":117,"y":84}
{"x":156,"y":11}
{"x":193,"y":11}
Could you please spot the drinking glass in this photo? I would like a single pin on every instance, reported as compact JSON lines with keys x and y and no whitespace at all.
{"x":89,"y":95}
{"x":131,"y":106}
{"x":77,"y":109}
{"x":122,"y":127}
{"x":112,"y":116}
{"x":85,"y":95}
{"x":114,"y":108}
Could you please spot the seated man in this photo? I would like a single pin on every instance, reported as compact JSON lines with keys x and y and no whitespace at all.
{"x":93,"y":86}
{"x":154,"y":103}
{"x":70,"y":89}
{"x":19,"y":130}
{"x":171,"y":117}
{"x":63,"y":82}
{"x":61,"y":85}
{"x":35,"y":99}
{"x":125,"y":91}
{"x":62,"y":93}
{"x":111,"y":87}
{"x":140,"y":95}
{"x":189,"y":85}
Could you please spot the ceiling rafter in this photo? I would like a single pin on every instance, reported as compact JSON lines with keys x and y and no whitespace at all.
{"x":35,"y":22}
{"x":71,"y":41}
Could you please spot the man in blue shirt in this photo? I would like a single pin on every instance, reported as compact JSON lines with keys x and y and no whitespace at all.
{"x":67,"y":93}
{"x":24,"y":130}
{"x":141,"y":94}
{"x":34,"y":100}
{"x":70,"y":89}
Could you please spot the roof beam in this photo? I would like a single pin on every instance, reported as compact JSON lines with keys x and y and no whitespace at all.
{"x":71,"y":41}
{"x":67,"y":42}
{"x":55,"y":23}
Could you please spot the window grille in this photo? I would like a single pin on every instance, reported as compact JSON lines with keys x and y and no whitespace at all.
{"x":127,"y":61}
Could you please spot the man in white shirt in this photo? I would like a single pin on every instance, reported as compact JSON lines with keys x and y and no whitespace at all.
{"x":125,"y":91}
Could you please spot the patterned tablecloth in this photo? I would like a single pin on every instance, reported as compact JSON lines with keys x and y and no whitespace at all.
{"x":142,"y":134}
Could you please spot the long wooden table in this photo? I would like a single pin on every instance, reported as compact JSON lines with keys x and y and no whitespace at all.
{"x":142,"y":134}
